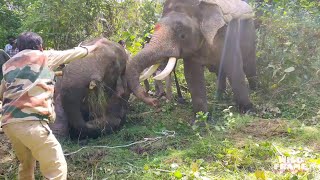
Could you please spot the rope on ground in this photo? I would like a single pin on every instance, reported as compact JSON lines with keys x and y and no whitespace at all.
{"x":164,"y":133}
{"x":160,"y":170}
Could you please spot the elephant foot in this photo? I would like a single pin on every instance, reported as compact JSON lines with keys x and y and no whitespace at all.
{"x":83,"y":142}
{"x":160,"y":94}
{"x":180,"y":100}
{"x":101,"y":126}
{"x":246,"y":108}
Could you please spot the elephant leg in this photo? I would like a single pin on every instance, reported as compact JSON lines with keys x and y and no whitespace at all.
{"x":222,"y":83}
{"x":233,"y":66}
{"x":146,"y":85}
{"x":251,"y":74}
{"x":194,"y":74}
{"x":104,"y":124}
{"x":248,"y":48}
{"x":72,"y":111}
{"x":159,"y":88}
{"x":72,"y":106}
{"x":168,"y":81}
{"x":180,"y":98}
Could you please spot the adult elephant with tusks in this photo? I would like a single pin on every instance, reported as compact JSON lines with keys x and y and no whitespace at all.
{"x":93,"y":92}
{"x":204,"y":33}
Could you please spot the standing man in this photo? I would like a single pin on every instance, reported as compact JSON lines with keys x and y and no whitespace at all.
{"x":11,"y":48}
{"x":4,"y":57}
{"x":8,"y":47}
{"x":27,"y":91}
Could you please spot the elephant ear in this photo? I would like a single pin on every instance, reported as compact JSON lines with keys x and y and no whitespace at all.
{"x":217,"y":13}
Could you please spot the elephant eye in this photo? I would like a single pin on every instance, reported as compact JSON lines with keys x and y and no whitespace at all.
{"x":182,"y":36}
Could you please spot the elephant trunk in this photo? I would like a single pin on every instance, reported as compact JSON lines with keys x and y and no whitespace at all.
{"x":160,"y":48}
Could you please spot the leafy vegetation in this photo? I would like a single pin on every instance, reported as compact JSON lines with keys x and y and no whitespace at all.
{"x":63,"y":24}
{"x":285,"y":126}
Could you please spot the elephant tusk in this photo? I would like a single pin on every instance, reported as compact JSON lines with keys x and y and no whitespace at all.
{"x":149,"y":72}
{"x":170,"y":66}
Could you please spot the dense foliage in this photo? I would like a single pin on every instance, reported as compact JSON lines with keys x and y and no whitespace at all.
{"x":289,"y":56}
{"x":64,"y":24}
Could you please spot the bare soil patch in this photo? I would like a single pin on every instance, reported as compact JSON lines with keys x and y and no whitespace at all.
{"x":6,"y":153}
{"x":266,"y":128}
{"x":261,"y":130}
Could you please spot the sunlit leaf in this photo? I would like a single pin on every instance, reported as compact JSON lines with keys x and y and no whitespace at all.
{"x":146,"y":167}
{"x":274,"y":86}
{"x":217,"y":128}
{"x":177,"y":174}
{"x":194,"y":167}
{"x":317,"y":161}
{"x":260,"y":175}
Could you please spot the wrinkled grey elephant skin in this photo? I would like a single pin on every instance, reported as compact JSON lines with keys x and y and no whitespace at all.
{"x":100,"y":76}
{"x":204,"y":33}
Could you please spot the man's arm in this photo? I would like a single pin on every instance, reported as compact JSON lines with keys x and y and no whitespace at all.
{"x":56,"y":58}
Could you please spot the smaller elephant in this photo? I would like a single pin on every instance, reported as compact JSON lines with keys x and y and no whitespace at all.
{"x":168,"y":85}
{"x":159,"y":89}
{"x":93,"y":92}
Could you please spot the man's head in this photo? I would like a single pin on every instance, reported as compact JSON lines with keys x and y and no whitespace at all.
{"x":29,"y":40}
{"x":11,"y":40}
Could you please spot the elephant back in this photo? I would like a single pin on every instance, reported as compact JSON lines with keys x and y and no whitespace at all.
{"x":232,"y":9}
{"x":106,"y":64}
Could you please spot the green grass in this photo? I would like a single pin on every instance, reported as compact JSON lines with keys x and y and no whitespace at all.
{"x":232,"y":147}
{"x":220,"y":150}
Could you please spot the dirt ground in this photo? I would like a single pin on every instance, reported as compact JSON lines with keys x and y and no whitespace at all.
{"x":266,"y":128}
{"x":260,"y":130}
{"x":6,"y":154}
